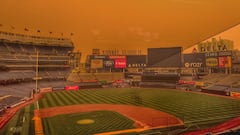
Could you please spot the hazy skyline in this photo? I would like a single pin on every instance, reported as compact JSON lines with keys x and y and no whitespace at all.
{"x":121,"y":24}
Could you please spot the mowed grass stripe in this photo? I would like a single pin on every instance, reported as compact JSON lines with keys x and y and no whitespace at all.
{"x":76,"y":97}
{"x":70,"y":97}
{"x":54,"y":99}
{"x":91,"y":97}
{"x":44,"y":103}
{"x":64,"y":99}
{"x":46,"y":126}
{"x":82,"y":97}
{"x":94,"y":96}
{"x":26,"y":124}
{"x":198,"y":114}
{"x":101,"y":98}
{"x":31,"y":129}
{"x":107,"y":99}
{"x":188,"y":109}
{"x":51,"y":102}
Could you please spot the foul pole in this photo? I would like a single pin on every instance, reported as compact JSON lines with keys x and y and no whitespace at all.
{"x":36,"y":88}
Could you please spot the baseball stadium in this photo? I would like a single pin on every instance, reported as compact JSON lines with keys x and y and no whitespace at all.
{"x":48,"y":86}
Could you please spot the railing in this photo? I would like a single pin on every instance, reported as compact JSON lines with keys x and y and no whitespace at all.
{"x":50,"y":41}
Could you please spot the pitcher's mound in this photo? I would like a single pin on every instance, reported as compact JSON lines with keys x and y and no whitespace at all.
{"x":85,"y":121}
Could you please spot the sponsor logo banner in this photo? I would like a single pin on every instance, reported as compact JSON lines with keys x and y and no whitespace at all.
{"x":137,"y":65}
{"x":72,"y":88}
{"x":48,"y":89}
{"x":228,"y":53}
{"x":117,"y":57}
{"x":186,"y":82}
{"x":109,"y":63}
{"x":218,"y":54}
{"x":199,"y":83}
{"x":193,"y":65}
{"x":136,"y":61}
{"x":196,"y":60}
{"x":120,"y":63}
{"x":58,"y":88}
{"x":225,"y":62}
{"x":98,"y":56}
{"x":96,"y":63}
{"x":211,"y":62}
{"x":216,"y":45}
{"x":235,"y":94}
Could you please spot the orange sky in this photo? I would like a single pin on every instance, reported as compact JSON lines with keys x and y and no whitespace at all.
{"x":123,"y":24}
{"x":232,"y":34}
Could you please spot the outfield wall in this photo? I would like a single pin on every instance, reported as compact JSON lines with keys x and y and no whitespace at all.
{"x":109,"y":77}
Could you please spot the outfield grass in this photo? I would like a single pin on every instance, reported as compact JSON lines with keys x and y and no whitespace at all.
{"x":104,"y":121}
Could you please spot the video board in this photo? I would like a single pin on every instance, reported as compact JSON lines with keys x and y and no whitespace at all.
{"x":136,"y":61}
{"x":164,"y":57}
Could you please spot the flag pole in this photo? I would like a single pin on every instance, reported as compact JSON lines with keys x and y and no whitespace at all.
{"x":37,"y":78}
{"x":37,"y":72}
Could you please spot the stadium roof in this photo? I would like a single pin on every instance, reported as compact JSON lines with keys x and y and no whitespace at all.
{"x":125,"y":23}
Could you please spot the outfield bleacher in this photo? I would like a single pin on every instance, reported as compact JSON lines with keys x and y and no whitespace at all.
{"x":213,"y":78}
{"x":221,"y":84}
{"x":229,"y":80}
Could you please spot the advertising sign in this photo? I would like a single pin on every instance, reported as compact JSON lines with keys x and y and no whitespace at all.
{"x":227,"y":53}
{"x":235,"y":94}
{"x":108,"y":63}
{"x":199,"y":83}
{"x":218,"y":54}
{"x":117,"y":57}
{"x":196,"y":60}
{"x":98,"y":56}
{"x":215,"y":45}
{"x":193,"y":65}
{"x":186,"y":82}
{"x":72,"y":88}
{"x":212,"y":62}
{"x":136,"y":61}
{"x":120,"y":63}
{"x":229,"y":62}
{"x":225,"y":62}
{"x":58,"y":88}
{"x":136,"y":65}
{"x":96,"y":63}
{"x":48,"y":89}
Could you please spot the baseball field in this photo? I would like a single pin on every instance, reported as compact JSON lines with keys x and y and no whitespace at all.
{"x":130,"y":110}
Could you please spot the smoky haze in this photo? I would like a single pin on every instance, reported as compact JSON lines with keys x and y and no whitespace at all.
{"x":118,"y":24}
